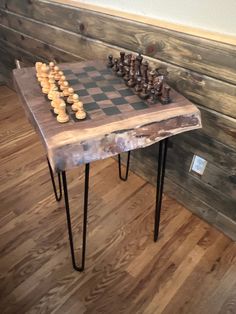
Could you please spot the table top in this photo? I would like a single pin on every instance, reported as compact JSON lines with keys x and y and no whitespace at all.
{"x":118,"y":119}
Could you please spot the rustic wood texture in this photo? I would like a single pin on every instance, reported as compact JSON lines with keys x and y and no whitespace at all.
{"x":203,"y":33}
{"x":174,"y":47}
{"x":126,"y":271}
{"x":71,"y":144}
{"x":197,"y":87}
{"x":202,"y":70}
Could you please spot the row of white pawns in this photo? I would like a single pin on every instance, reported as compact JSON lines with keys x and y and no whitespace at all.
{"x":48,"y":76}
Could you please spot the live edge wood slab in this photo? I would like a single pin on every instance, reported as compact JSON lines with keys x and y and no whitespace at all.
{"x":102,"y":135}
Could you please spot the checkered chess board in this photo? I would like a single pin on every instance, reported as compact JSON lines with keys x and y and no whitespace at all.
{"x":102,"y":92}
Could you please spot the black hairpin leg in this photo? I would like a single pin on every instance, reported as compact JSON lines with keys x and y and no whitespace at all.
{"x":86,"y":188}
{"x":160,"y":183}
{"x":127,"y":167}
{"x":57,"y":197}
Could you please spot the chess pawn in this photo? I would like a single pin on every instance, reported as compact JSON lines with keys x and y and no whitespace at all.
{"x":56,"y":73}
{"x":65,"y":89}
{"x":110,"y":61}
{"x":55,"y":98}
{"x":80,"y":114}
{"x":152,"y":97}
{"x":115,"y":67}
{"x":144,"y":93}
{"x":121,"y":71}
{"x":62,"y":116}
{"x":76,"y":101}
{"x":138,"y":87}
{"x":52,"y":68}
{"x":51,"y":92}
{"x":131,"y":82}
{"x":56,"y":103}
{"x":62,"y":80}
{"x":70,"y":97}
{"x":126,"y":77}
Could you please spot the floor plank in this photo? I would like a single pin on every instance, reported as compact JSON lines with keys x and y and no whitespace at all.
{"x":191,"y":269}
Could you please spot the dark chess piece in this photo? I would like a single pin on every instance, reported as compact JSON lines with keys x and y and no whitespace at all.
{"x":122,"y":57}
{"x":116,"y":67}
{"x":152,"y":97}
{"x":138,"y":87}
{"x":127,"y":61}
{"x":121,"y":71}
{"x":132,"y":63}
{"x":151,"y":80}
{"x":131,"y":82}
{"x":126,"y":77}
{"x":145,"y":72}
{"x":144,"y":93}
{"x":158,"y":88}
{"x":166,"y":95}
{"x":110,"y":61}
{"x":139,"y":60}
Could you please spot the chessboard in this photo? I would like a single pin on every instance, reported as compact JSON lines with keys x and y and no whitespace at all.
{"x":102,"y":93}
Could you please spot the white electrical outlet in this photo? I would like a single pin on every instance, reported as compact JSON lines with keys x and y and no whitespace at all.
{"x":198,"y":165}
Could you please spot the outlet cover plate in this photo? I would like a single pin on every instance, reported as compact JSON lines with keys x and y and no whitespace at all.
{"x":198,"y":165}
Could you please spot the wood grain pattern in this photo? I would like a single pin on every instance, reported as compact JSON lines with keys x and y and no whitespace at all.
{"x":72,"y":144}
{"x":36,"y":47}
{"x":199,"y":88}
{"x":178,"y":181}
{"x":208,"y":57}
{"x":35,"y":267}
{"x":223,"y":38}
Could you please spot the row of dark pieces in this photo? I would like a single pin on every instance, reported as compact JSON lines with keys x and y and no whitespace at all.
{"x":147,"y":84}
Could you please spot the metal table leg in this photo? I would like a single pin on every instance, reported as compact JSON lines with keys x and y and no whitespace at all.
{"x":159,"y":191}
{"x":160,"y":183}
{"x":127,"y":167}
{"x":70,"y":233}
{"x":67,"y":206}
{"x":57,"y":197}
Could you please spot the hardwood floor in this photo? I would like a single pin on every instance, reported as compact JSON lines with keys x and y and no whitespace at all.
{"x":192,"y":268}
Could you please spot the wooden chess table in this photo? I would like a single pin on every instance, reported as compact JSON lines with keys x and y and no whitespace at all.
{"x":117,"y":121}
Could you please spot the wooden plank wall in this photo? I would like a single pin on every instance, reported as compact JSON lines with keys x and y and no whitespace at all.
{"x":202,"y":70}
